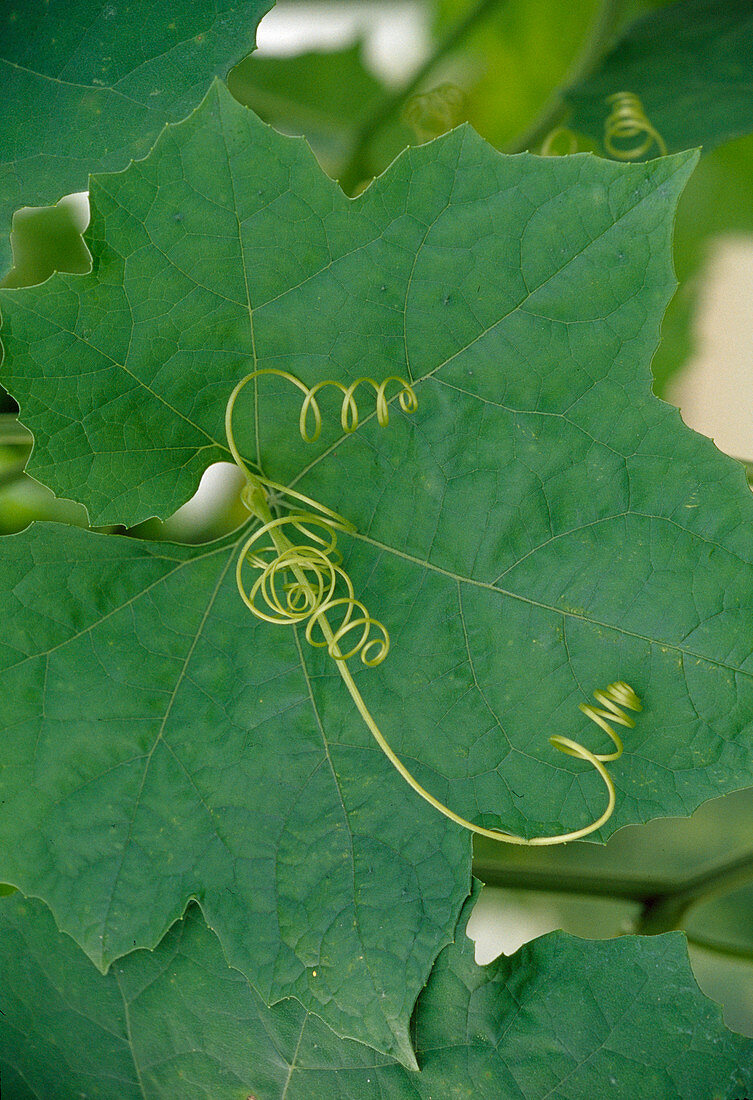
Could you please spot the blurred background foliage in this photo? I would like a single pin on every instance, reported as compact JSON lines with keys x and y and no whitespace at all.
{"x":501,"y":65}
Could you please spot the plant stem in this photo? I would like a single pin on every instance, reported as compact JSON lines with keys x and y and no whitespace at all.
{"x":663,"y":904}
{"x":12,"y":473}
{"x":356,"y":168}
{"x":555,"y":109}
{"x":586,"y":884}
{"x":666,"y":909}
{"x":731,"y":950}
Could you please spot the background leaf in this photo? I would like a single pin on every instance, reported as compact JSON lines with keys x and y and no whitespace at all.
{"x":690,"y":63}
{"x":717,"y":204}
{"x":563,"y":1018}
{"x":89,"y":84}
{"x":515,"y":59}
{"x":324,"y":96}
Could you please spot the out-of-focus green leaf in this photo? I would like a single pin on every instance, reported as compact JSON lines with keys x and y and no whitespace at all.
{"x":563,"y":1018}
{"x":47,"y":239}
{"x":88,"y":84}
{"x":690,"y":63}
{"x":516,"y":58}
{"x":324,"y":96}
{"x":717,"y":202}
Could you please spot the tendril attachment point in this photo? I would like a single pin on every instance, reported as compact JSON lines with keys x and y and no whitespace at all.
{"x":300,"y":581}
{"x":305,"y":584}
{"x":626,"y":121}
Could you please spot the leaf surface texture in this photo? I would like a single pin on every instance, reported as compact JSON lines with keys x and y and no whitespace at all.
{"x":563,"y":1018}
{"x":89,"y":84}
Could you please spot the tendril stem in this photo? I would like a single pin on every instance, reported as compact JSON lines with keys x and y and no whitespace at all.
{"x":313,"y":599}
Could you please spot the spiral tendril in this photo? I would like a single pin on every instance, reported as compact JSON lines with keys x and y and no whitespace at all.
{"x":560,"y":136}
{"x":300,"y":581}
{"x":627,"y":121}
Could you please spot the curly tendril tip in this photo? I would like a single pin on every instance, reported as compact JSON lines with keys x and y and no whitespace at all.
{"x":626,"y":122}
{"x":298,"y":580}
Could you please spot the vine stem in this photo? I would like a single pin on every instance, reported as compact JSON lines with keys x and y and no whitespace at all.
{"x":355,"y":169}
{"x":666,"y":909}
{"x":625,"y":888}
{"x":555,"y":109}
{"x":663,"y":904}
{"x":718,"y":947}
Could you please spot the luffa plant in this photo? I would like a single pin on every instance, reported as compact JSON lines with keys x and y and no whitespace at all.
{"x":532,"y":525}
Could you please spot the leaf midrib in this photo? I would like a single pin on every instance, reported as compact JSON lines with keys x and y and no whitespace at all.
{"x":325,"y":742}
{"x":564,"y":612}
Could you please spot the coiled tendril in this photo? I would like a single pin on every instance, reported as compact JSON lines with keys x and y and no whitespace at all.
{"x":559,"y":142}
{"x":626,"y":121}
{"x":302,"y":582}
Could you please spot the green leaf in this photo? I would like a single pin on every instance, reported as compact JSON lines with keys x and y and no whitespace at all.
{"x":515,"y":59}
{"x":88,"y":85}
{"x":690,"y":64}
{"x":227,"y":247}
{"x":323,"y":96}
{"x":718,"y":202}
{"x":564,"y":1017}
{"x":165,"y":745}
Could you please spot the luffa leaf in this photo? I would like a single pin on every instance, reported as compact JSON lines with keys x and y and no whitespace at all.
{"x":540,"y":526}
{"x":563,"y":1018}
{"x":88,"y":85}
{"x":227,"y":247}
{"x":691,"y":65}
{"x":324,"y":96}
{"x":186,"y":755}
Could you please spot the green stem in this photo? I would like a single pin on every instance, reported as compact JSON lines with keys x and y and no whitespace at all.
{"x":731,"y":950}
{"x":555,"y":109}
{"x":625,"y":888}
{"x":667,"y":908}
{"x":663,"y":904}
{"x":356,"y":168}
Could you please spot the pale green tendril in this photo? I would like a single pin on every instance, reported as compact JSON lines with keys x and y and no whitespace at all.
{"x":302,"y":582}
{"x":560,"y":142}
{"x":626,"y":122}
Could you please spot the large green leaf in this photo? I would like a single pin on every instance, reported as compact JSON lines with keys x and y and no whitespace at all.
{"x":88,"y":85}
{"x":690,"y":63}
{"x":563,"y":1018}
{"x":227,"y":246}
{"x":164,"y":745}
